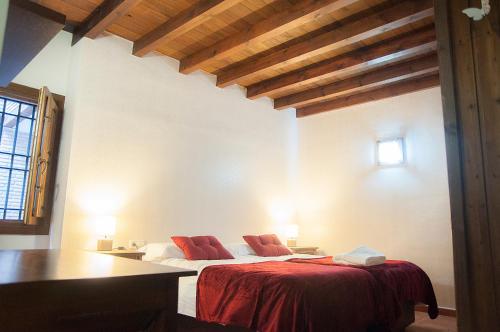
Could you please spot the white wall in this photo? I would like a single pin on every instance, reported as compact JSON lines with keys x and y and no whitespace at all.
{"x":167,"y":153}
{"x":186,"y":158}
{"x":49,"y":68}
{"x":346,"y":200}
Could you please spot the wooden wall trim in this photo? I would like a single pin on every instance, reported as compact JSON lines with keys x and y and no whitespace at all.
{"x":28,"y":94}
{"x":450,"y":312}
{"x":19,"y":228}
{"x":20,"y":92}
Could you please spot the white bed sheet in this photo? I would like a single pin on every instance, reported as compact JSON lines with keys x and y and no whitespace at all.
{"x":187,"y":285}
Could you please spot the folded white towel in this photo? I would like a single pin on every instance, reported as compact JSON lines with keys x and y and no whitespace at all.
{"x":361,"y":256}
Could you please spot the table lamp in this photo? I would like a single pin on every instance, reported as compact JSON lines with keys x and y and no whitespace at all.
{"x":292,"y":233}
{"x":106,"y":227}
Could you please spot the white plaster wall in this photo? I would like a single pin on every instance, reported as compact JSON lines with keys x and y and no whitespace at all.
{"x":168,"y":153}
{"x":345,"y":200}
{"x":50,"y":67}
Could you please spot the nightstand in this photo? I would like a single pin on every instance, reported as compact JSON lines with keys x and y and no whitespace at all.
{"x":304,"y":250}
{"x":132,"y":254}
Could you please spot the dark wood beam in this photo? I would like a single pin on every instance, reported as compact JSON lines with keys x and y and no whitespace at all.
{"x":188,"y":19}
{"x":102,"y":18}
{"x":296,"y":15}
{"x":391,"y":90}
{"x":383,"y":76}
{"x":410,"y":44}
{"x":379,"y":23}
{"x":468,"y":57}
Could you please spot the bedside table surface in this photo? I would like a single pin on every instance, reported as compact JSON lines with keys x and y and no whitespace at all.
{"x":309,"y":250}
{"x":116,"y":251}
{"x":303,"y":248}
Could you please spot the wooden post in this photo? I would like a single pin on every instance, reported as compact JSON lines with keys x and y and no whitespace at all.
{"x":468,"y":55}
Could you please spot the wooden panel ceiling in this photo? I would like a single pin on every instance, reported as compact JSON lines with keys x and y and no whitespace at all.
{"x":315,"y":55}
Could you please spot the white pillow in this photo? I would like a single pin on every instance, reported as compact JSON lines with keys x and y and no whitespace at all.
{"x":173,"y":251}
{"x":239,"y":249}
{"x":161,"y":250}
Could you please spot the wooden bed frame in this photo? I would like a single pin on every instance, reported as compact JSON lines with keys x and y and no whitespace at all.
{"x":190,"y":324}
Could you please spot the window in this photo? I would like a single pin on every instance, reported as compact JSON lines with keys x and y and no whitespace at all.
{"x":29,"y":128}
{"x":391,"y":152}
{"x":17,"y":120}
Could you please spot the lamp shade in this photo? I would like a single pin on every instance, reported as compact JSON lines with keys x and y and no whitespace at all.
{"x":106,"y":225}
{"x":292,"y":231}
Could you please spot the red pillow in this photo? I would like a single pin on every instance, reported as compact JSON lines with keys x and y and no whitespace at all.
{"x":267,"y":245}
{"x":201,"y":247}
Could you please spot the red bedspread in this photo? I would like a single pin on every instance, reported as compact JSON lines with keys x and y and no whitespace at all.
{"x":406,"y":280}
{"x":291,"y":297}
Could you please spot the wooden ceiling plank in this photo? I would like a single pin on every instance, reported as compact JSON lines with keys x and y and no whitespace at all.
{"x":388,"y":74}
{"x":401,"y":14}
{"x":296,"y":15}
{"x":185,"y":21}
{"x":416,"y":42}
{"x":102,"y":18}
{"x":391,"y":90}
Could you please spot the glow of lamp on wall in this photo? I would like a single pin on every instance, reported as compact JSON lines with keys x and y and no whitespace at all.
{"x":391,"y":152}
{"x":106,"y":228}
{"x":291,"y":233}
{"x":281,"y":211}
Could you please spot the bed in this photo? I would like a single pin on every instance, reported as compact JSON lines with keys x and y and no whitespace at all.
{"x":187,"y":286}
{"x":212,"y":272}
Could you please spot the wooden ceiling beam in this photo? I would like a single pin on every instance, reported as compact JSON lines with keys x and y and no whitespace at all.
{"x":390,"y":90}
{"x":296,"y":15}
{"x":385,"y":75}
{"x":392,"y":18}
{"x":186,"y":20}
{"x":414,"y":43}
{"x":102,"y":18}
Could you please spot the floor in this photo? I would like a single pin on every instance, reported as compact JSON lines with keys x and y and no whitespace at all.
{"x":424,"y":324}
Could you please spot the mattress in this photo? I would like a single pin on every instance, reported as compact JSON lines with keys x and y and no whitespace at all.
{"x":187,"y":285}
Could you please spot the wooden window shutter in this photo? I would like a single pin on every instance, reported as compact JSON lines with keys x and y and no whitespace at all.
{"x":40,"y":185}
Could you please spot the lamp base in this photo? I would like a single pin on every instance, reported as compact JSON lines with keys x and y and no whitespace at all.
{"x":103,"y":245}
{"x":291,"y":243}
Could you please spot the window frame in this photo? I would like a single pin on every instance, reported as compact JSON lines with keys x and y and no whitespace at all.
{"x":404,"y":159}
{"x":30,"y":95}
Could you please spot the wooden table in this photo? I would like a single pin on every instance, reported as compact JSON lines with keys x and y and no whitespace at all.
{"x":59,"y":290}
